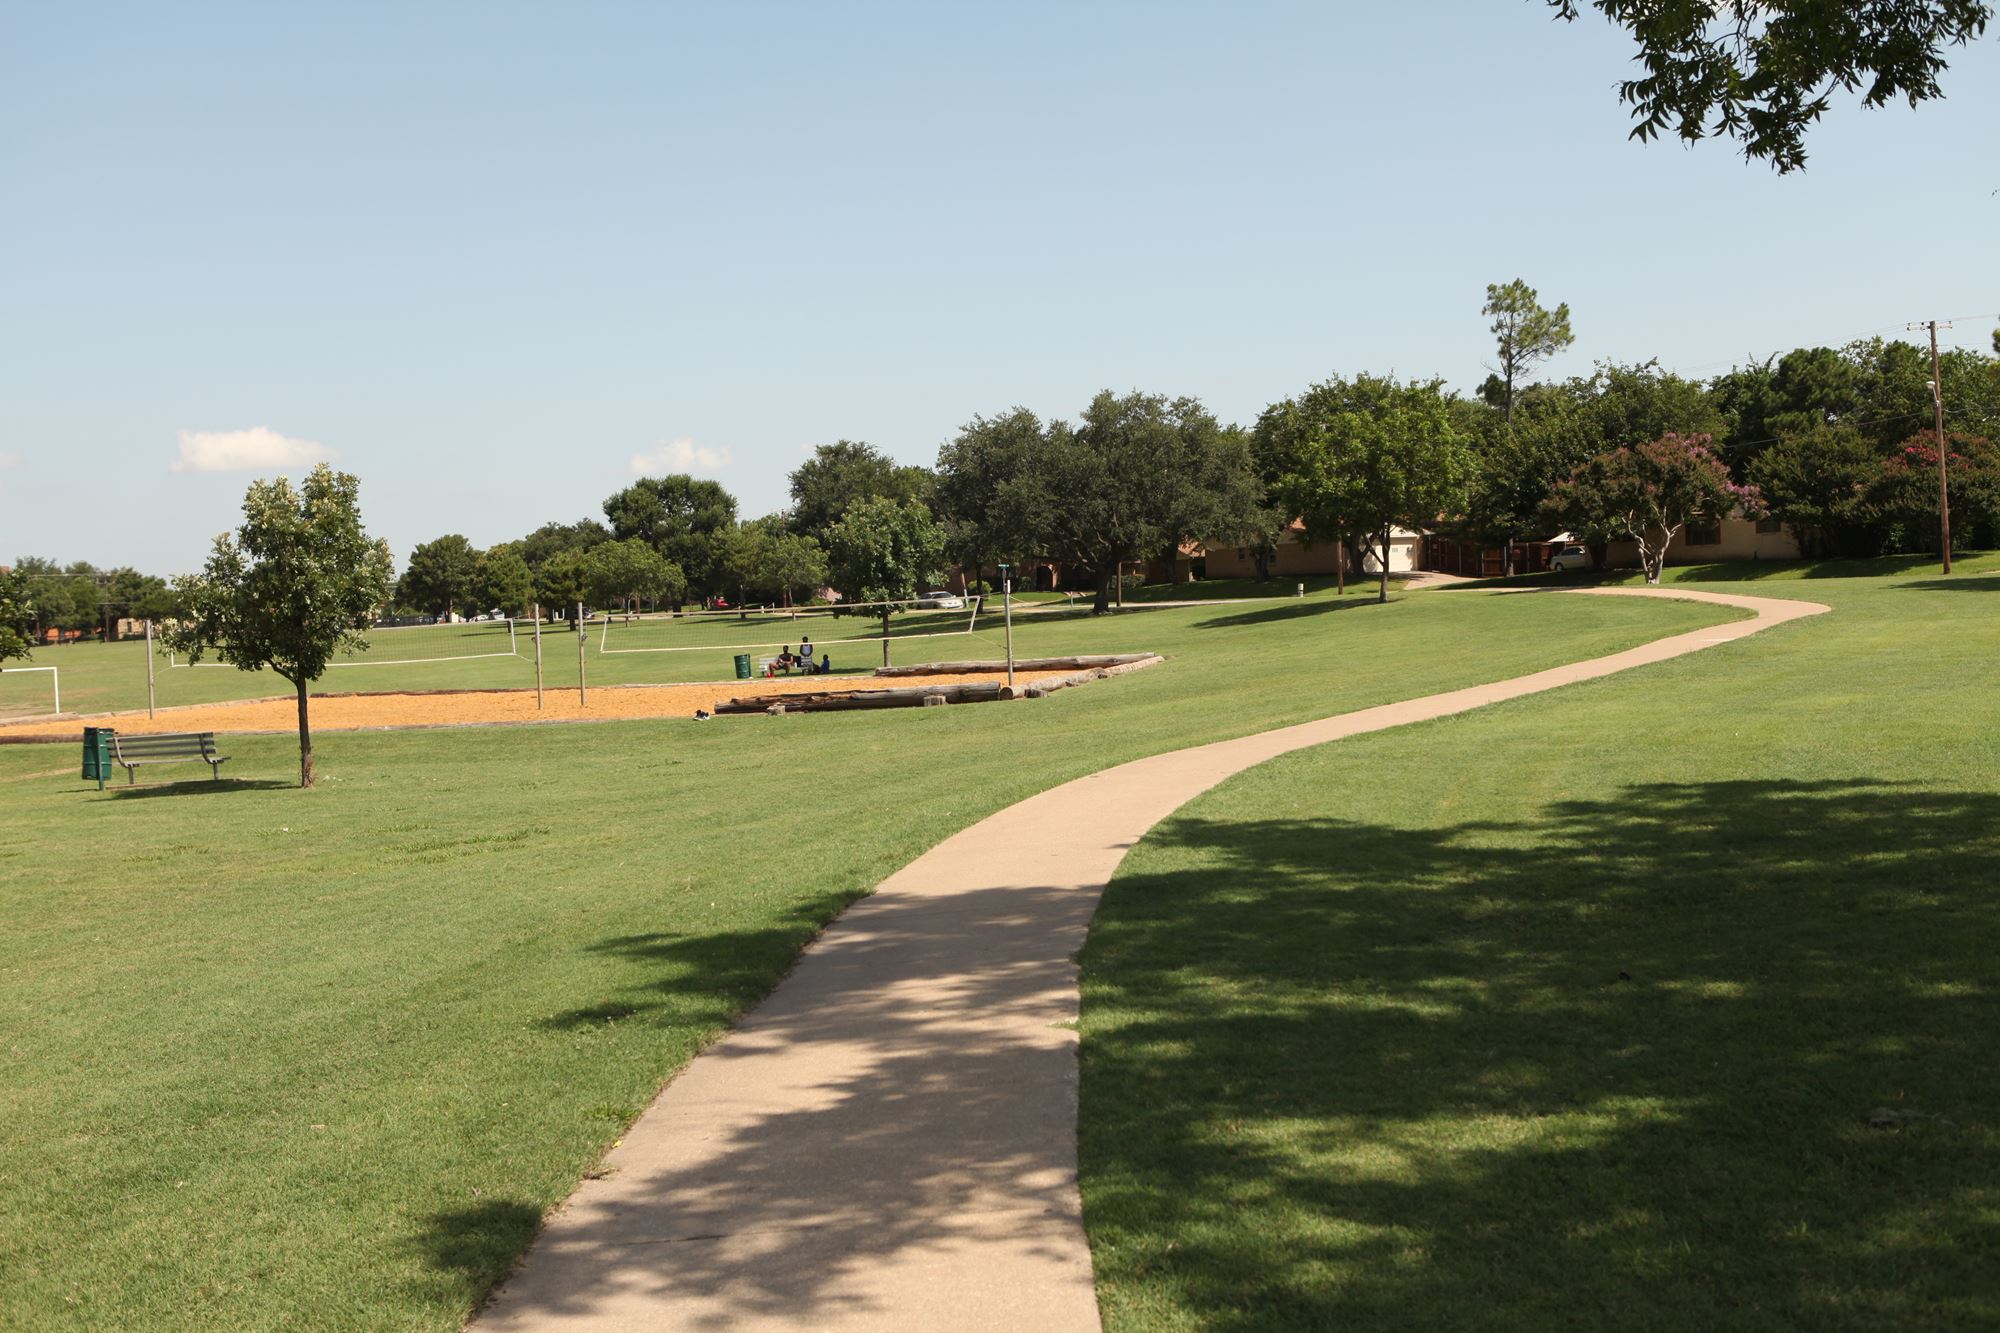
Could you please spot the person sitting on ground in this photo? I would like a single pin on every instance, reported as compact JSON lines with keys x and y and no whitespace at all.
{"x":825,"y":664}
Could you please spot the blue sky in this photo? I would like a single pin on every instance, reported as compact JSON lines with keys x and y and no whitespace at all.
{"x":498,"y":257}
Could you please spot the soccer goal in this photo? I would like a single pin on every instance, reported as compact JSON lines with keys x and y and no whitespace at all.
{"x":37,"y":694}
{"x":752,"y":630}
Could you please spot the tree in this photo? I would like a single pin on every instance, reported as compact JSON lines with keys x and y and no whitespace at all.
{"x":764,"y":557}
{"x":1763,"y":73}
{"x":1905,"y":490}
{"x":442,"y":575}
{"x":562,"y":581}
{"x":17,"y":615}
{"x":504,"y":580}
{"x":885,"y":551}
{"x":631,"y":572}
{"x":1368,"y":455}
{"x":843,"y":473}
{"x":686,"y":519}
{"x":1524,"y":334}
{"x":1817,"y":481}
{"x":986,"y":494}
{"x":297,"y":582}
{"x":1649,"y":492}
{"x":551,"y":539}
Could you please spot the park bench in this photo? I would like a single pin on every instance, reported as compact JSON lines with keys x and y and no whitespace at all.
{"x":174,"y":747}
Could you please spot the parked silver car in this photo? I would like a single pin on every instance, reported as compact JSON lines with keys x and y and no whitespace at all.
{"x":1570,"y":557}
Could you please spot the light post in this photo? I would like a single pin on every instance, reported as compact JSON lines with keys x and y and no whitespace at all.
{"x":1007,"y":602}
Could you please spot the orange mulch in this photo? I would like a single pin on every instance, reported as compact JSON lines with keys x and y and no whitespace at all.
{"x":364,"y":712}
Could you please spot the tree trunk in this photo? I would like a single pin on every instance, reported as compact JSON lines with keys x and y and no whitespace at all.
{"x":885,"y":638}
{"x":1170,"y":560}
{"x":1340,"y":566}
{"x":305,"y":740}
{"x":1383,"y":595}
{"x":1263,"y":565}
{"x":1103,"y":602}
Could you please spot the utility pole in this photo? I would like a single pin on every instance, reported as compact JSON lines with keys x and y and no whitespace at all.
{"x":149,"y":666}
{"x":582,"y":633}
{"x":1944,"y":482}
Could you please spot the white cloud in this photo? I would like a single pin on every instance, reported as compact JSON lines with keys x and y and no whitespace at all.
{"x":9,"y":460}
{"x":244,"y":450}
{"x":681,"y":455}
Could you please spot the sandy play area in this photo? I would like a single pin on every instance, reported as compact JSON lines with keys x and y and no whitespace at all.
{"x":362,"y":712}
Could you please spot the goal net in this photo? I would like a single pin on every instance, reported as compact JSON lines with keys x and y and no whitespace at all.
{"x":29,"y":691}
{"x":772,"y":629}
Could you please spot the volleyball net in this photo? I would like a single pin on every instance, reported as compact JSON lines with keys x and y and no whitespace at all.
{"x":413,"y":645}
{"x":774,"y":629}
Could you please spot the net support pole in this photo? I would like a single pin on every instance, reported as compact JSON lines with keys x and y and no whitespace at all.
{"x":1007,"y":596}
{"x":149,"y":668}
{"x":538,"y":656}
{"x":582,"y":633}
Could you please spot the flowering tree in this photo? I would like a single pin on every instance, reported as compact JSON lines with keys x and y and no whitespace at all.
{"x":1905,"y":492}
{"x":1649,"y":492}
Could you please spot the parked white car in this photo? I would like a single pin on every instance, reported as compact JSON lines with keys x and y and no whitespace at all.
{"x":1569,"y":558}
{"x":939,"y":601}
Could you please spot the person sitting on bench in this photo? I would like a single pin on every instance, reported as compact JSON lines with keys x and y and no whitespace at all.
{"x":784,"y":661}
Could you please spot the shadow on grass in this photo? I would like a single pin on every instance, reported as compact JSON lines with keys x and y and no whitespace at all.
{"x":1612,"y":1068}
{"x":473,"y":1244}
{"x":195,"y":786}
{"x":1969,"y":583}
{"x":1296,"y":609}
{"x":1736,"y":571}
{"x":731,"y":968}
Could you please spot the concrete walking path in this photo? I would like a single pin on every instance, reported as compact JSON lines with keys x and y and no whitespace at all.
{"x":888,"y":1141}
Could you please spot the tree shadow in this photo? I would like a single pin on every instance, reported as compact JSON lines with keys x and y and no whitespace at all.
{"x":195,"y":786}
{"x":907,"y":1138}
{"x":1612,"y":1067}
{"x":1968,"y":583}
{"x":1297,"y":609}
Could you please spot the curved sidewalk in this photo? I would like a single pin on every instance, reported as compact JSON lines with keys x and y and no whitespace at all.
{"x":888,"y":1141}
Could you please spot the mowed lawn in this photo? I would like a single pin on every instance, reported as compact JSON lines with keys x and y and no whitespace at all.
{"x":282,"y":1058}
{"x":1670,"y":1001}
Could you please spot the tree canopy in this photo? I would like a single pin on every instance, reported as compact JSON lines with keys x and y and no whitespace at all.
{"x":443,"y":575}
{"x":1764,"y":73}
{"x":841,"y":474}
{"x":885,"y":550}
{"x":1357,"y":458}
{"x":17,"y":615}
{"x":685,"y":519}
{"x":1648,"y":492}
{"x":298,"y":582}
{"x":1524,"y":335}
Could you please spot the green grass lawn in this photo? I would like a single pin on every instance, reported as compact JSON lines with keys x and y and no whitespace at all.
{"x":277,"y":1058}
{"x":1574,"y":1012}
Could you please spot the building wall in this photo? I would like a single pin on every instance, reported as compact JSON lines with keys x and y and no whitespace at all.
{"x":1740,"y":540}
{"x":1296,"y":556}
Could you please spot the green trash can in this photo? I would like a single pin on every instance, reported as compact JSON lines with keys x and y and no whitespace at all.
{"x":742,"y":666}
{"x":97,"y":753}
